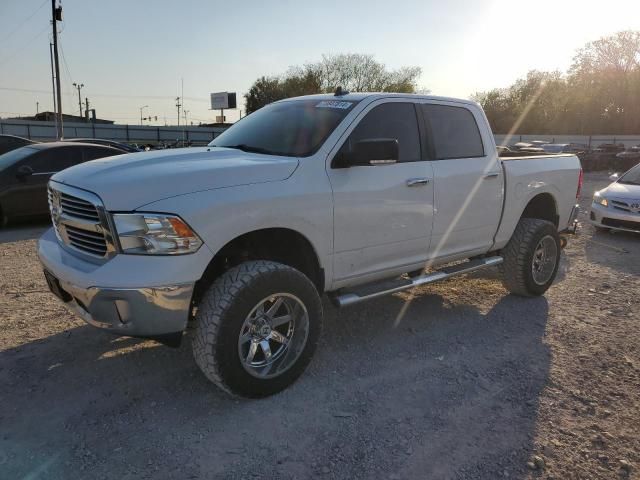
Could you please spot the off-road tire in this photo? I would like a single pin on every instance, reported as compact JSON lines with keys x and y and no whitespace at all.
{"x":222,"y":311}
{"x":517,"y":276}
{"x":4,"y":220}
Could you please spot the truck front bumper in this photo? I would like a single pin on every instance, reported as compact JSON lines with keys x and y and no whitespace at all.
{"x":127,"y":295}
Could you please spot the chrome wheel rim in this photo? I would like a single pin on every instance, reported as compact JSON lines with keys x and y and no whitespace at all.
{"x":544,"y":260}
{"x":273,"y":335}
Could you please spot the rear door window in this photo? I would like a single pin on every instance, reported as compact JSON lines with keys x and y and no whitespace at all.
{"x":454,"y":132}
{"x":52,"y":160}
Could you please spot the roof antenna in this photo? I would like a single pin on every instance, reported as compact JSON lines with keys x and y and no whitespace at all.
{"x":339,"y":92}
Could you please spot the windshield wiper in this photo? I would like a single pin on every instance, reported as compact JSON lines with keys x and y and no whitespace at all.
{"x":248,"y":148}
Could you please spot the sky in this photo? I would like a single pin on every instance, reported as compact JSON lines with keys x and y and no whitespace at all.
{"x":132,"y":54}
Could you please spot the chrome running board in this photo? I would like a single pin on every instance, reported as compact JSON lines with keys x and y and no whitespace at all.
{"x":367,"y":292}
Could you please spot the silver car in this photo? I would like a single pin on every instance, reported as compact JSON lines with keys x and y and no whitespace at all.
{"x":618,"y":206}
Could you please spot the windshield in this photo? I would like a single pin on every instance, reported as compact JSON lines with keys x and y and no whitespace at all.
{"x":296,"y":128}
{"x":10,"y":158}
{"x":632,"y":177}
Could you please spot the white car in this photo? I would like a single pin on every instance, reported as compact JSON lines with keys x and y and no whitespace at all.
{"x":618,"y":206}
{"x":320,"y":194}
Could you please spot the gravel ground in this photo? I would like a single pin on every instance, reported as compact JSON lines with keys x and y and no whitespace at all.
{"x":458,"y":380}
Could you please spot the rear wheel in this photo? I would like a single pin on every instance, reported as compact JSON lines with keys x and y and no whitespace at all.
{"x":531,"y":257}
{"x":257,"y":328}
{"x":4,"y":220}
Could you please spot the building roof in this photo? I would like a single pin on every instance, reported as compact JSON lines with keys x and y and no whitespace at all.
{"x":50,"y":117}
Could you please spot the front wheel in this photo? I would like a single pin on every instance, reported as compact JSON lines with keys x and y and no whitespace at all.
{"x":531,"y":257}
{"x":257,"y":328}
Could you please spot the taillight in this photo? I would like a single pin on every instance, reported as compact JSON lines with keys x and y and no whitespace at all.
{"x":580,"y":179}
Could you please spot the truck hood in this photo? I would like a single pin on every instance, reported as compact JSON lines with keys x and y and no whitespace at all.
{"x":127,"y":182}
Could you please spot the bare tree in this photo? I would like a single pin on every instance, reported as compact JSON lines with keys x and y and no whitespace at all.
{"x":351,"y":71}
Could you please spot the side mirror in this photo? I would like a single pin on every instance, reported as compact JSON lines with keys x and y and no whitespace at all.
{"x":614,"y":177}
{"x":24,"y":171}
{"x":372,"y":151}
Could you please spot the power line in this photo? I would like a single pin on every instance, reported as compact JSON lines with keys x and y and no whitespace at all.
{"x":23,"y":22}
{"x":113,"y":95}
{"x":23,"y":46}
{"x":64,"y":60}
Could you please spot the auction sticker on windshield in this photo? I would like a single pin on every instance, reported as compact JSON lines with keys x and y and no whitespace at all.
{"x":334,"y":104}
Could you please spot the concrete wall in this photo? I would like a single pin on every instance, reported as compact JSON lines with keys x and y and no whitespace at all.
{"x":590,"y":140}
{"x":126,"y":133}
{"x":203,"y":135}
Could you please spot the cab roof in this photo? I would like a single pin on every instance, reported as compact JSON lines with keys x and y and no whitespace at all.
{"x":358,"y":96}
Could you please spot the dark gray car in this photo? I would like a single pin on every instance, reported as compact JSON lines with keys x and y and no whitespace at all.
{"x":25,"y":171}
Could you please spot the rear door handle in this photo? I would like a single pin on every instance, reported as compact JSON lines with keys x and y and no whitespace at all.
{"x":417,"y":182}
{"x":492,"y":175}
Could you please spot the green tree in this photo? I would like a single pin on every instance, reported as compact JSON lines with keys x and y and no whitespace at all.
{"x":599,"y":94}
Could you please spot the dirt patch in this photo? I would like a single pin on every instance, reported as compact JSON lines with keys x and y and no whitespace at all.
{"x":457,"y":380}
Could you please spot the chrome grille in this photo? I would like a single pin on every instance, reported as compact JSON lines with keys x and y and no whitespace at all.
{"x":76,"y":207}
{"x":630,"y":207}
{"x":80,"y":220}
{"x":87,"y":240}
{"x":620,"y":205}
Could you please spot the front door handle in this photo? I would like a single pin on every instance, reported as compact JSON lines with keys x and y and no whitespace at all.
{"x":417,"y":182}
{"x":492,"y":175}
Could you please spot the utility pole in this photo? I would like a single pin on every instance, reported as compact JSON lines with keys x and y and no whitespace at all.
{"x":178,"y":105}
{"x":79,"y":86}
{"x":186,"y":112}
{"x":37,"y":108}
{"x":53,"y":89}
{"x":142,"y":108}
{"x":86,"y":110}
{"x":56,"y":15}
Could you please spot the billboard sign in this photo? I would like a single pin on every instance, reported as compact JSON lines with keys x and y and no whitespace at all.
{"x":222,"y":100}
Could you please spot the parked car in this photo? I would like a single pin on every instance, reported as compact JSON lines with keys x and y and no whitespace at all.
{"x":11,"y":142}
{"x":539,"y":143}
{"x":528,"y":147}
{"x":631,"y":153}
{"x":310,"y":195}
{"x":24,"y":174}
{"x":617,"y":206}
{"x":563,"y":148}
{"x":109,"y":143}
{"x":535,"y":150}
{"x":609,"y":148}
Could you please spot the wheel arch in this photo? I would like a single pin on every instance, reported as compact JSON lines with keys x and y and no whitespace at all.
{"x":283,"y":245}
{"x":542,"y":206}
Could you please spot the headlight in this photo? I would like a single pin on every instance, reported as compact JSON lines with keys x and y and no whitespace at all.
{"x":155,"y":234}
{"x":597,"y":198}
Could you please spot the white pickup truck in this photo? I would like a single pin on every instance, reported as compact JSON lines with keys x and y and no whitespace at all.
{"x":353,"y":195}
